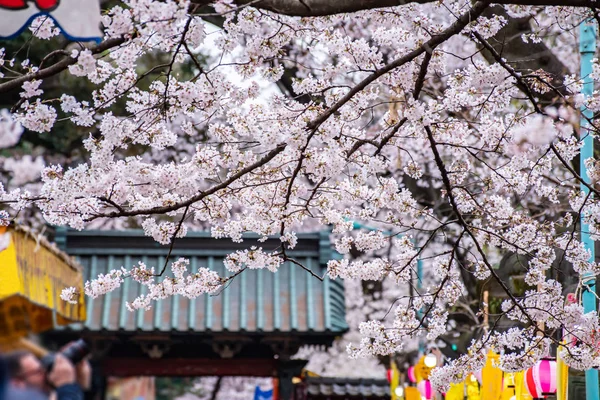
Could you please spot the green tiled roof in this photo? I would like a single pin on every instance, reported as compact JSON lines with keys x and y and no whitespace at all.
{"x":257,"y":301}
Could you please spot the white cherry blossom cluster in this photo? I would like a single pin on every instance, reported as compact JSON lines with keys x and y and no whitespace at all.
{"x":457,"y":370}
{"x":105,"y":283}
{"x":10,"y":129}
{"x":31,"y":89}
{"x":43,"y":27}
{"x":372,"y":270}
{"x":37,"y":116}
{"x":255,"y":258}
{"x":70,"y":295}
{"x":275,"y":125}
{"x":189,"y":285}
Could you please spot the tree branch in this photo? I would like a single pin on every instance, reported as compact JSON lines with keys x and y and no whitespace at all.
{"x":467,"y":228}
{"x":313,"y":125}
{"x":524,"y":57}
{"x":315,"y":8}
{"x":201,"y":195}
{"x":60,"y":66}
{"x":435,"y":41}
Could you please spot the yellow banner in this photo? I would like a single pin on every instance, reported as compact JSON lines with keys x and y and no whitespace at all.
{"x":520,"y":390}
{"x":491,"y":378}
{"x":508,"y":391}
{"x":473,"y":392}
{"x":32,"y":276}
{"x":562,"y":377}
{"x":456,"y":392}
{"x":395,"y":381}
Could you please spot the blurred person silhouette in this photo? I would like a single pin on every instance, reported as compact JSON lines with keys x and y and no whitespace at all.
{"x":3,"y":378}
{"x":29,"y":380}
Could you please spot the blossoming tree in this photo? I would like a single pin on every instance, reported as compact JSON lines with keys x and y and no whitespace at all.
{"x":450,"y":127}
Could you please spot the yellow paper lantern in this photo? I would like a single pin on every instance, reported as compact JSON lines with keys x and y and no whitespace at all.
{"x":394,"y":381}
{"x":508,"y":390}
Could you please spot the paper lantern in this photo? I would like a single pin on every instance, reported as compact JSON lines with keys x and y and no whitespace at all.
{"x":430,"y":360}
{"x":540,"y":380}
{"x":411,"y":375}
{"x":425,"y":389}
{"x":399,"y":392}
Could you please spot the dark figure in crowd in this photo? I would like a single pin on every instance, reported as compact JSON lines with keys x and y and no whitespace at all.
{"x":28,"y":380}
{"x":3,"y":378}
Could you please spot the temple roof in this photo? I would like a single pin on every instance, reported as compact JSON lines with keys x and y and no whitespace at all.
{"x":256,"y":302}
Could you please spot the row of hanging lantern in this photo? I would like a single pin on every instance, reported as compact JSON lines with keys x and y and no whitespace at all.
{"x":537,"y":382}
{"x":419,"y":387}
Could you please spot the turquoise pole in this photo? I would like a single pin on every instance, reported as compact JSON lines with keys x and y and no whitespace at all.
{"x":419,"y":287}
{"x":587,"y":48}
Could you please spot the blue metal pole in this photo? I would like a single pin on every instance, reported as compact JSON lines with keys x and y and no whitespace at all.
{"x":587,"y":48}
{"x":419,"y":287}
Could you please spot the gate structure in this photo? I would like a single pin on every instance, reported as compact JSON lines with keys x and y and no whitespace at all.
{"x":251,"y":328}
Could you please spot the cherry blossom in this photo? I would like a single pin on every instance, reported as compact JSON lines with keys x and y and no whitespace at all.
{"x":412,"y":133}
{"x":70,"y":295}
{"x":43,"y":27}
{"x":10,"y":130}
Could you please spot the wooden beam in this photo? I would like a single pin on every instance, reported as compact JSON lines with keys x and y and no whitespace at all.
{"x":24,"y":344}
{"x":36,"y":349}
{"x":122,"y":367}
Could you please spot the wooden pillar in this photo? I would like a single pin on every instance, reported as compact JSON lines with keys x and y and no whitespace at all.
{"x":286,"y":371}
{"x":98,"y":389}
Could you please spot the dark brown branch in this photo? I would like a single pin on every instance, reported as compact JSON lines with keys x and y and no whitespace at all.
{"x":422,"y":74}
{"x":498,"y":58}
{"x":312,"y":126}
{"x":525,"y":57}
{"x":111,"y":202}
{"x":305,"y":268}
{"x":58,"y":67}
{"x":163,"y":210}
{"x":186,"y":29}
{"x":448,"y":186}
{"x":432,"y":43}
{"x":173,"y":240}
{"x":314,"y":8}
{"x":216,"y":389}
